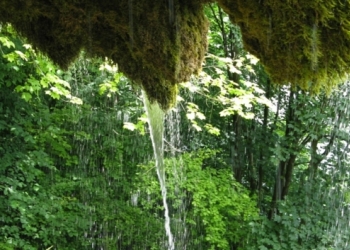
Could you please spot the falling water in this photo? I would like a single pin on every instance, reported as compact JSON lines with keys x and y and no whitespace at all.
{"x":156,"y":123}
{"x":314,"y":47}
{"x":176,"y":171}
{"x":171,"y":11}
{"x":131,"y":22}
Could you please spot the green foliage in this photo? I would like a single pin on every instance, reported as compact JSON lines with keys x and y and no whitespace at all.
{"x":4,"y":246}
{"x":49,"y":198}
{"x":232,"y":98}
{"x":304,"y":221}
{"x":219,"y":208}
{"x":30,"y":140}
{"x":222,"y":204}
{"x":30,"y":73}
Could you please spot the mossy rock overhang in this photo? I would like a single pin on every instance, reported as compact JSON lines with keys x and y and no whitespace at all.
{"x":160,"y":43}
{"x":304,"y":43}
{"x":156,"y":43}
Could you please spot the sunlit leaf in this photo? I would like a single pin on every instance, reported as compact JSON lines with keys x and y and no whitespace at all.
{"x":129,"y":126}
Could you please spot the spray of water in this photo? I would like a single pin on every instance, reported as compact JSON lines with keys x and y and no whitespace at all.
{"x":314,"y":47}
{"x":176,"y":171}
{"x":156,"y":123}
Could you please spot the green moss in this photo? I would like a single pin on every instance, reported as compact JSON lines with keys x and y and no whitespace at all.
{"x":152,"y":48}
{"x":305,"y":43}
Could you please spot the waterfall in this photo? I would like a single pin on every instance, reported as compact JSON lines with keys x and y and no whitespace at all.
{"x":156,"y":123}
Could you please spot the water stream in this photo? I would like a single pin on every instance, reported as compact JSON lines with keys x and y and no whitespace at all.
{"x":156,"y":123}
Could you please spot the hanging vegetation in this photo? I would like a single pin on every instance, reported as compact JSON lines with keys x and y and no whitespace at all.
{"x":305,"y":43}
{"x":160,"y":43}
{"x":155,"y":43}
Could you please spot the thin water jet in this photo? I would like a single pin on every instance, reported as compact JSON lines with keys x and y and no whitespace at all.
{"x":171,"y":12}
{"x":131,"y":22}
{"x":314,"y":47}
{"x":155,"y":117}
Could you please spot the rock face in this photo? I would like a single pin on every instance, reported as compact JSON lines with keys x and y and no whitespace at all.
{"x":160,"y":43}
{"x":157,"y":43}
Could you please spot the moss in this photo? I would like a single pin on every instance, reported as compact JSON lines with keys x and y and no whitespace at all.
{"x":155,"y":46}
{"x":305,"y":43}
